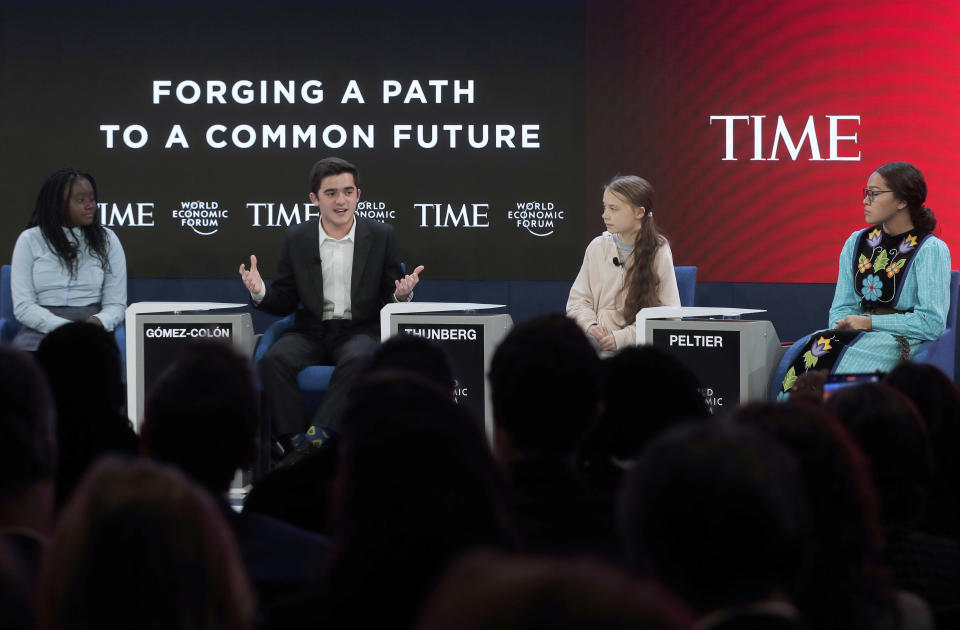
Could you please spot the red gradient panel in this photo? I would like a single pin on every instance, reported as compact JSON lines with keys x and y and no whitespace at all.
{"x":896,"y":65}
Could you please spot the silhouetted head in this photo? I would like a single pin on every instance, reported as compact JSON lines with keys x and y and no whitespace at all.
{"x":846,"y":585}
{"x":488,"y":590}
{"x":646,"y":389}
{"x":937,"y":399}
{"x":140,"y":546}
{"x":935,"y":396}
{"x":411,"y":353}
{"x":417,"y":485}
{"x":719,"y":513}
{"x":28,"y":445}
{"x":84,"y":369}
{"x":545,"y":386}
{"x":202,"y":414}
{"x":891,"y":433}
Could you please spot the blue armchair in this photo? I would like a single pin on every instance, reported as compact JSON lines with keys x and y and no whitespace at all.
{"x":314,"y":380}
{"x":939,"y":352}
{"x":687,"y":283}
{"x":9,"y":324}
{"x":942,"y":352}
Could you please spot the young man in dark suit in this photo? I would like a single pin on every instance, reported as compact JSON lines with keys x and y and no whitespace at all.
{"x":336,"y":272}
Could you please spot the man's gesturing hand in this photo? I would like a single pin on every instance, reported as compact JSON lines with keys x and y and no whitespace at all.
{"x":405,"y":285}
{"x":251,"y":279}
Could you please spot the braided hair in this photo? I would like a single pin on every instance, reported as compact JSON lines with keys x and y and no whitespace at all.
{"x":642,"y":282}
{"x":49,"y":215}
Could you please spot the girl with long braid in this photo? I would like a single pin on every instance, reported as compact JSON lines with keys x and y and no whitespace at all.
{"x":625,"y":269}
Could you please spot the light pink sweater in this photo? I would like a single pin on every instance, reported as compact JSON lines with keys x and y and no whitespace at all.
{"x":597,"y":295}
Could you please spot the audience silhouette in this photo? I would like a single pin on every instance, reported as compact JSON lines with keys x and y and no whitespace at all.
{"x":139,"y":546}
{"x":202,"y":417}
{"x":83,"y":367}
{"x":719,"y":513}
{"x":607,"y":497}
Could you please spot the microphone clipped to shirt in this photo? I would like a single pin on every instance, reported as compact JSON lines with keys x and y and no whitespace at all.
{"x":616,"y":262}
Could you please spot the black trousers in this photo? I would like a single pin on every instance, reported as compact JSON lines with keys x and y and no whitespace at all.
{"x":337,"y":344}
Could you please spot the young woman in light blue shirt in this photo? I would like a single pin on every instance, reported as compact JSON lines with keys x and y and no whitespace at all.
{"x":66,"y":266}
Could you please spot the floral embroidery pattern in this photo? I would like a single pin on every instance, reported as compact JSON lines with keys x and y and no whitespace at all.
{"x":908,"y":244}
{"x":823,"y":349}
{"x":882,"y":259}
{"x":895,"y":268}
{"x":879,"y":252}
{"x":790,"y":379}
{"x":819,"y":348}
{"x":872,"y":286}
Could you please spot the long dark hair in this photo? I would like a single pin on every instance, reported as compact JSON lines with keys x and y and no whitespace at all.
{"x":641,"y":283}
{"x":908,"y":185}
{"x":49,"y":212}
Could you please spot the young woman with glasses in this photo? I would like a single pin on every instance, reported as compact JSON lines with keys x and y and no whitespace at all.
{"x":893,"y":289}
{"x":66,"y":266}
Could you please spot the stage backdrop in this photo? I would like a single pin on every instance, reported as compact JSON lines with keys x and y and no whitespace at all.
{"x":757,"y":121}
{"x":201,"y":125}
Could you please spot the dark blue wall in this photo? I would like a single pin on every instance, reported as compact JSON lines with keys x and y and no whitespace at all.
{"x":794,"y":309}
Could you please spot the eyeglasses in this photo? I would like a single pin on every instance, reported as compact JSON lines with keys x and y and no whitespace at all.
{"x":872,"y":194}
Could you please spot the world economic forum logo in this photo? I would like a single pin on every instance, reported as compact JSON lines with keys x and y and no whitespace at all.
{"x":539,"y":218}
{"x":376,"y":210}
{"x":203,"y":217}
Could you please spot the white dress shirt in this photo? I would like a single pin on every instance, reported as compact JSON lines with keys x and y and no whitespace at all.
{"x":336,"y":265}
{"x":336,"y":262}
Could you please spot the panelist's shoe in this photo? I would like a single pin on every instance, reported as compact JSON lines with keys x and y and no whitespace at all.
{"x":317,"y":435}
{"x":284,"y":445}
{"x":315,"y":439}
{"x":302,"y":451}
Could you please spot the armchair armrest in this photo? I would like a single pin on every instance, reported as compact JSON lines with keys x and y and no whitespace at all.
{"x":271,"y":334}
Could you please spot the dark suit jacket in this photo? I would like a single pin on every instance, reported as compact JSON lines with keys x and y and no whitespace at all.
{"x":279,"y":557}
{"x":299,"y":279}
